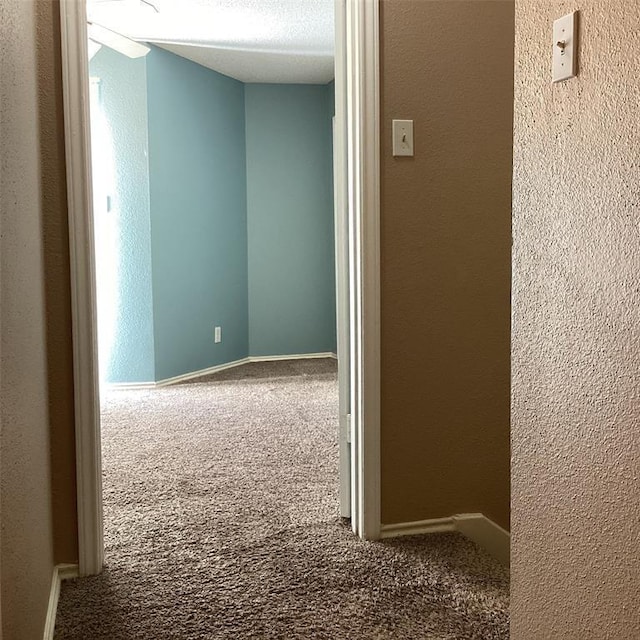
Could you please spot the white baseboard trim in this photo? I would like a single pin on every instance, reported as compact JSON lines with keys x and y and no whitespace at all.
{"x":486,"y":534}
{"x":203,"y":372}
{"x":295,"y":356}
{"x":475,"y":526}
{"x":60,"y":572}
{"x":130,"y":386}
{"x":136,"y":386}
{"x":438,"y":525}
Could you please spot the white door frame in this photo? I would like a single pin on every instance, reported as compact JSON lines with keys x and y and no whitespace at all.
{"x":357,"y":81}
{"x":343,"y":301}
{"x":361,"y":51}
{"x":76,"y":92}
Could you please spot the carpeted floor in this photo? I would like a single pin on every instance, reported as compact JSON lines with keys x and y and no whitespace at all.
{"x":221,"y":515}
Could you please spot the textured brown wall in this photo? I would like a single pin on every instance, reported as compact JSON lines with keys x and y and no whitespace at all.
{"x":57,"y":290}
{"x":446,"y":237}
{"x":576,"y":336}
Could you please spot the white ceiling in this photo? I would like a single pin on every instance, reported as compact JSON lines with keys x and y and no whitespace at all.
{"x":282,"y":41}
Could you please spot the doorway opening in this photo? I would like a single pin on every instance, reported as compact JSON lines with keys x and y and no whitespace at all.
{"x":356,"y":186}
{"x":213,"y":211}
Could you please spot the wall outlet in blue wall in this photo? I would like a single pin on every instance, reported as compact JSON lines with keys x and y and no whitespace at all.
{"x":217,"y":334}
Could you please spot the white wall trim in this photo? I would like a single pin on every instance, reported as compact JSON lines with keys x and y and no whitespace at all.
{"x":60,"y":572}
{"x":129,"y":386}
{"x":166,"y":382}
{"x":363,"y":145}
{"x":343,"y":278}
{"x":135,"y":386}
{"x":475,"y":526}
{"x":75,"y":80}
{"x":437,"y":525}
{"x":295,"y":356}
{"x":486,"y":534}
{"x":370,"y":261}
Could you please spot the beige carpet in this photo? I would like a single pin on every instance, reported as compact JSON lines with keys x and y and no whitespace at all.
{"x":222,"y":522}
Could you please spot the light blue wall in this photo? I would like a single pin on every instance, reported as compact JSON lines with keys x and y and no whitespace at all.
{"x":123,"y":247}
{"x":290,"y":219}
{"x":198,"y":192}
{"x":223,"y":206}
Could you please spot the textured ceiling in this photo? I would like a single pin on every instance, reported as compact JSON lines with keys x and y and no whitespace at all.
{"x":287,"y":41}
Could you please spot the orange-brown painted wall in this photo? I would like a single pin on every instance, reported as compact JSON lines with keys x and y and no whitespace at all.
{"x":445,"y":249}
{"x":55,"y":230}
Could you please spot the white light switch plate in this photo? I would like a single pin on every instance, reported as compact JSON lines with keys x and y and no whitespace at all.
{"x":402,"y":137}
{"x":565,"y":47}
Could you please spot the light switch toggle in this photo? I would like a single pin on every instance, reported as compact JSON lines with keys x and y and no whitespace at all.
{"x":402,"y":137}
{"x":565,"y":33}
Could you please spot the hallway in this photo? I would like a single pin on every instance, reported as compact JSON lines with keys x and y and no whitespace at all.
{"x":221,"y":514}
